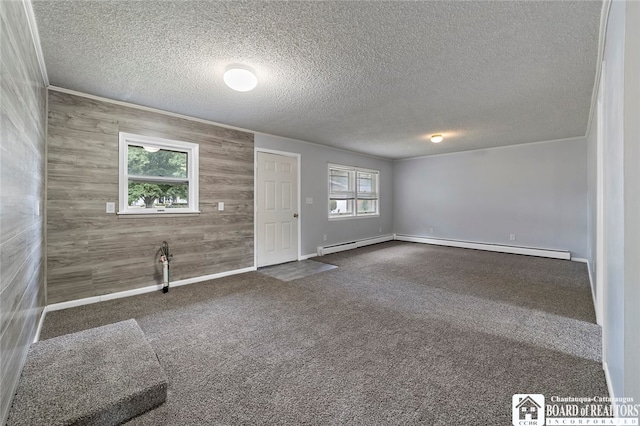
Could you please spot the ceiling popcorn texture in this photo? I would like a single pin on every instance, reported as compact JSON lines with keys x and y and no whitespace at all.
{"x":372,"y":77}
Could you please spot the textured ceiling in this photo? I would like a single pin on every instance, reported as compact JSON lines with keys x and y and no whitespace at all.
{"x":372,"y":77}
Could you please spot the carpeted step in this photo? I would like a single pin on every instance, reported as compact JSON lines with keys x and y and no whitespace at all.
{"x":101,"y":376}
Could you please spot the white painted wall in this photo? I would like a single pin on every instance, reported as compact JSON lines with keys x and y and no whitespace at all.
{"x":536,"y":191}
{"x":613,"y":137}
{"x":632,"y":202}
{"x":620,"y":132}
{"x":313,"y":182}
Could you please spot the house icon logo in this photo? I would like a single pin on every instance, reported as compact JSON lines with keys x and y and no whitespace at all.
{"x":528,"y":409}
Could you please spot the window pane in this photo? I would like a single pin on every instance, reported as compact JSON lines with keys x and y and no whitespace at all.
{"x":163,"y":163}
{"x":339,"y":180}
{"x":352,"y":192}
{"x":341,"y":207}
{"x":365,"y":182}
{"x":152,"y":195}
{"x":367,"y":206}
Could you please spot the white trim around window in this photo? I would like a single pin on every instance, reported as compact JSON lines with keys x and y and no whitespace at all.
{"x":154,"y":144}
{"x":353,"y":192}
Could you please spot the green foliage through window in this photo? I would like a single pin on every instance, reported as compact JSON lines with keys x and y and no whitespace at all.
{"x":164,"y":164}
{"x":157,"y":175}
{"x":153,"y":194}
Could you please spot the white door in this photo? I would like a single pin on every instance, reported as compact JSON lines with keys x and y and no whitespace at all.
{"x":277,"y":215}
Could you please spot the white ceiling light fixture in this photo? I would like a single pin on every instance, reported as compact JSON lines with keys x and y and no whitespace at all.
{"x":240,"y":79}
{"x":151,"y":149}
{"x":436,"y":138}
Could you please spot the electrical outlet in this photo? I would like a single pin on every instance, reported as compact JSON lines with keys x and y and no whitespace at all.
{"x":380,"y":229}
{"x":512,"y":237}
{"x":111,"y":207}
{"x":431,"y":230}
{"x":309,"y":200}
{"x":324,"y":237}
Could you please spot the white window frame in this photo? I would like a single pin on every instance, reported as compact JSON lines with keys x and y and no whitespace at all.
{"x":354,"y":179}
{"x":192,"y":151}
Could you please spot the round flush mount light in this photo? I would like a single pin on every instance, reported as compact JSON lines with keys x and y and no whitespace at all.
{"x":151,"y":149}
{"x":436,"y":138}
{"x":240,"y":79}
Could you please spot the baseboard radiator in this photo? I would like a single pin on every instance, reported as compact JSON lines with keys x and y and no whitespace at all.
{"x":335,"y":248}
{"x":529,"y":251}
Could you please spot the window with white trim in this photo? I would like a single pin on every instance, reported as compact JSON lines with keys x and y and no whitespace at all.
{"x":157,"y":175}
{"x":353,"y":192}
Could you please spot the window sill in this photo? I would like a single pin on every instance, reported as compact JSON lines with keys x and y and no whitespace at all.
{"x":331,"y":218}
{"x":135,"y":215}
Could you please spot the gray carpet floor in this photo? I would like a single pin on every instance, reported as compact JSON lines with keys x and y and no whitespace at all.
{"x":101,"y":376}
{"x":399,"y":333}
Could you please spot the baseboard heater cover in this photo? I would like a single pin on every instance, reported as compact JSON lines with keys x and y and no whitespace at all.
{"x":554,"y":254}
{"x":335,"y":248}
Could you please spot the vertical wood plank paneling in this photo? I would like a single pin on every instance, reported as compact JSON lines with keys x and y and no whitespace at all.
{"x":22,"y":160}
{"x":93,"y":253}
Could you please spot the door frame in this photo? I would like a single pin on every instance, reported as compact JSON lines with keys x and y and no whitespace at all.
{"x":255,"y":198}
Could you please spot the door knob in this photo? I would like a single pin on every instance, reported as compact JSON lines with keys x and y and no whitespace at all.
{"x":295,"y":215}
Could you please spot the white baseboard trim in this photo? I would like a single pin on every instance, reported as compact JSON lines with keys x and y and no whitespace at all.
{"x":607,"y":378}
{"x":308,"y":256}
{"x":592,"y":285}
{"x":554,"y":254}
{"x":39,"y":329}
{"x":148,"y":289}
{"x":335,"y":248}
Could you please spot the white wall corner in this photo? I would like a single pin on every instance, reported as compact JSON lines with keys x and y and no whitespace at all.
{"x":604,"y":18}
{"x":35,"y":37}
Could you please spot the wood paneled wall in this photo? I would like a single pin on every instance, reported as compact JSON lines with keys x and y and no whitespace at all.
{"x":22,"y":156}
{"x":90,"y":252}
